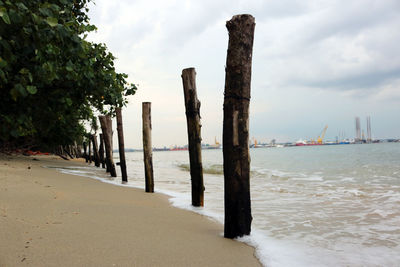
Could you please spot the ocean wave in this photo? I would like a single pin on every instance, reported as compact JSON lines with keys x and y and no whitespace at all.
{"x":218,"y":169}
{"x":211,"y":169}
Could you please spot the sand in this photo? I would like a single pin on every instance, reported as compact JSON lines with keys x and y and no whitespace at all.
{"x":52,"y":219}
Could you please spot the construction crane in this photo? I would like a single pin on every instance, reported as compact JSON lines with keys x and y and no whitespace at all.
{"x":216,"y":142}
{"x":322,"y":135}
{"x":255,"y":142}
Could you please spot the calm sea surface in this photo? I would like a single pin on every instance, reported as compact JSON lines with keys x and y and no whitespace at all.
{"x":312,"y":206}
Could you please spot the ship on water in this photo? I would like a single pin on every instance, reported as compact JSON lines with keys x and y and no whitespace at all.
{"x":216,"y":145}
{"x":319,"y":141}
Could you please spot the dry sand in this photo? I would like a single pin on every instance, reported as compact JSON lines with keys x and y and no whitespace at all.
{"x":53,"y":219}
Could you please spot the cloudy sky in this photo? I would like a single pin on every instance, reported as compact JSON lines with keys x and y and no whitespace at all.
{"x":315,"y":63}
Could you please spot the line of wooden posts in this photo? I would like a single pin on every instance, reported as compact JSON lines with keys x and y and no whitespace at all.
{"x":95,"y":153}
{"x":235,"y":132}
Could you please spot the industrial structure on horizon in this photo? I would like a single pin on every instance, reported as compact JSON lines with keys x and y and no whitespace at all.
{"x":360,"y":137}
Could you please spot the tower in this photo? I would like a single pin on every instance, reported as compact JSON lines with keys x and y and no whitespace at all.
{"x":369,"y":138}
{"x":358,"y":130}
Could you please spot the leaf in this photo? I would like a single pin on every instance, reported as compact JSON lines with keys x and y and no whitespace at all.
{"x":14,"y":94}
{"x":68,"y":101}
{"x":31,"y":89}
{"x":69,"y":66}
{"x":4,"y":16}
{"x":20,"y":89}
{"x":3,"y":63}
{"x":21,"y":6}
{"x":52,"y":21}
{"x":3,"y":76}
{"x":45,"y":11}
{"x":24,"y":71}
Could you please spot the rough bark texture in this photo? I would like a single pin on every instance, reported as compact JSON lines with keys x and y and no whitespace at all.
{"x":68,"y":151}
{"x":236,"y":126}
{"x":76,"y":150}
{"x":121,"y":145}
{"x":95,"y":151}
{"x":192,"y":105}
{"x":147,"y":148}
{"x":106,"y":128}
{"x":101,"y":152}
{"x":90,"y":151}
{"x":85,"y":152}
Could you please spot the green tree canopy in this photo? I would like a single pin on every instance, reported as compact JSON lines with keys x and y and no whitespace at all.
{"x":51,"y":78}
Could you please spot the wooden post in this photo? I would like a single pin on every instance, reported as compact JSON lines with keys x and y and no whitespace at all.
{"x":67,"y":151}
{"x":71,"y":151}
{"x":85,"y":152}
{"x":95,"y":151}
{"x":192,"y":105}
{"x":79,"y":147}
{"x":101,"y":152}
{"x":76,"y":150}
{"x":90,"y":151}
{"x":236,"y":126}
{"x":147,"y":149}
{"x":106,"y":128}
{"x":121,"y":145}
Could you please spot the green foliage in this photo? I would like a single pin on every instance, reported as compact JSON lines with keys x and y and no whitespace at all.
{"x":51,"y":78}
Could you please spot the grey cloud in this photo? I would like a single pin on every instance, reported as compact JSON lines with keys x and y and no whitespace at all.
{"x":350,"y":18}
{"x":368,"y":81}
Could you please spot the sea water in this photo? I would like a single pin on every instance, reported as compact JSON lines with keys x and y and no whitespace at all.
{"x":312,"y":206}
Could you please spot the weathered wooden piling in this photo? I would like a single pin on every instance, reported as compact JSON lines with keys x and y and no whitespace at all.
{"x":76,"y":150}
{"x":147,"y":147}
{"x":106,"y":128}
{"x":101,"y":152}
{"x":192,"y":105}
{"x":71,"y":151}
{"x":236,"y":126}
{"x":95,"y":151}
{"x":85,"y":152}
{"x":90,"y":150}
{"x":121,"y":145}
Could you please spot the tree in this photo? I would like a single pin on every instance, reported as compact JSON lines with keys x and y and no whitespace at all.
{"x":51,"y":78}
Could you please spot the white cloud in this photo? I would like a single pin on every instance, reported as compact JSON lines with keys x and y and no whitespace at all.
{"x":310,"y":58}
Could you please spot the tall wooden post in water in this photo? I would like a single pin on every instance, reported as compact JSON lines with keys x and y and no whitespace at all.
{"x":192,"y":105}
{"x":121,"y":145}
{"x":106,"y":128}
{"x":147,"y":149}
{"x":236,"y":126}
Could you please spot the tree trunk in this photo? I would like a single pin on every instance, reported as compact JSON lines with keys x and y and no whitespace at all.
{"x":101,"y":152}
{"x":76,"y":150}
{"x":147,"y":149}
{"x":90,"y":151}
{"x":121,"y":145}
{"x":106,"y":128}
{"x":236,"y":126}
{"x":68,"y":151}
{"x":192,"y":105}
{"x":95,"y":151}
{"x":85,"y":152}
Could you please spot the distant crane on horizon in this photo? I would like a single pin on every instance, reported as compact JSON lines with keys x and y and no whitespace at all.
{"x":322,"y":135}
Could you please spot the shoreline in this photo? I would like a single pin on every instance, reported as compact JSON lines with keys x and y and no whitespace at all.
{"x":55,"y":219}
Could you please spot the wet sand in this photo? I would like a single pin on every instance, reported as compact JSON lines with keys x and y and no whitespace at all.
{"x":52,"y":219}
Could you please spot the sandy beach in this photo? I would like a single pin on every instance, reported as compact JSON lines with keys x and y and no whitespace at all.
{"x":52,"y":219}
